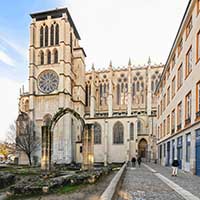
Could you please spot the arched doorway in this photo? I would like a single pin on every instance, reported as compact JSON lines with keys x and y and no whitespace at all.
{"x":142,"y":148}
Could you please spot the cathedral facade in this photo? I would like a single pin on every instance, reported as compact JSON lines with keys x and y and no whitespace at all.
{"x":119,"y":102}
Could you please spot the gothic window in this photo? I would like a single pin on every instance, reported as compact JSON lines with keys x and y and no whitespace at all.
{"x":87,"y":95}
{"x":41,"y":36}
{"x":57,"y":34}
{"x":71,"y":42}
{"x":118,"y":133}
{"x":48,"y":57}
{"x":139,"y":127}
{"x":142,"y":86}
{"x":133,"y":89}
{"x":52,"y":34}
{"x":138,"y":86}
{"x":152,"y":86}
{"x":55,"y":56}
{"x":131,"y":131}
{"x":41,"y":57}
{"x":101,"y":93}
{"x":118,"y":94}
{"x":97,"y":133}
{"x":26,"y":106}
{"x":46,"y":36}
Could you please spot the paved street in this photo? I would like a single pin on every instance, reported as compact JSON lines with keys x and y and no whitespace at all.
{"x":143,"y":184}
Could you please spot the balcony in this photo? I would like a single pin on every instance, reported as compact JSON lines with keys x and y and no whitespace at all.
{"x":179,"y":127}
{"x":187,"y":121}
{"x":198,"y":114}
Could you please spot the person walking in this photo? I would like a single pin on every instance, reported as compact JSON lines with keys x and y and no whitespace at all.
{"x":175,"y":165}
{"x":133,"y":160}
{"x":139,"y":160}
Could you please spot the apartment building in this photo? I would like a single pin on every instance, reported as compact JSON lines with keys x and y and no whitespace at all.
{"x":178,"y":94}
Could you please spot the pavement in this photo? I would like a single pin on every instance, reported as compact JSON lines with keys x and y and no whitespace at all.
{"x":154,"y":182}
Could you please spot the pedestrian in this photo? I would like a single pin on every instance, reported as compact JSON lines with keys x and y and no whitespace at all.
{"x":133,"y":160}
{"x":139,"y":160}
{"x":175,"y":165}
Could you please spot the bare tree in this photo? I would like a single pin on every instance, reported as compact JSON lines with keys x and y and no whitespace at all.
{"x":23,"y":135}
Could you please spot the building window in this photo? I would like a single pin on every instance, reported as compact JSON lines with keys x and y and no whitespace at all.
{"x":164,"y":127}
{"x":179,"y":116}
{"x":164,"y":149}
{"x":46,"y":36}
{"x":198,"y":47}
{"x":198,"y":100}
{"x":55,"y":56}
{"x":168,"y":124}
{"x":161,"y":130}
{"x":41,"y":37}
{"x":87,"y":95}
{"x":131,"y":131}
{"x":52,"y":35}
{"x":139,"y":127}
{"x":173,"y":86}
{"x":118,"y":133}
{"x":173,"y":60}
{"x":48,"y":57}
{"x":41,"y":56}
{"x":118,"y":94}
{"x":168,"y":95}
{"x":173,"y":122}
{"x":97,"y":133}
{"x":188,"y":149}
{"x":180,"y":76}
{"x":180,"y":46}
{"x":164,"y":102}
{"x":189,"y":27}
{"x":161,"y":106}
{"x":189,"y":61}
{"x":188,"y":107}
{"x":57,"y":34}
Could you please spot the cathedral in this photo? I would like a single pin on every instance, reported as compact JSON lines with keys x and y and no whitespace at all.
{"x":118,"y":102}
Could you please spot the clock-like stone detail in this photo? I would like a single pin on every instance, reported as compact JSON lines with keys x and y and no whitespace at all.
{"x":48,"y":81}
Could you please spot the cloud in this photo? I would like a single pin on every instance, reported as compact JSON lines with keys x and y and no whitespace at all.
{"x":18,"y":49}
{"x":8,"y":104}
{"x":5,"y":58}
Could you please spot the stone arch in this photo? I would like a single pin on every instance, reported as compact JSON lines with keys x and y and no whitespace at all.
{"x":47,"y":135}
{"x":142,"y":148}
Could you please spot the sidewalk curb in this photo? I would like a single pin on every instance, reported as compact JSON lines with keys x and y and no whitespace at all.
{"x":111,"y":190}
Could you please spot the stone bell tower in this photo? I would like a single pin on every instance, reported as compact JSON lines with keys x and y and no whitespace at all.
{"x":56,"y":78}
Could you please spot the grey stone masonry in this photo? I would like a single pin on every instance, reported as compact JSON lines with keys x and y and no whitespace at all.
{"x":184,"y":179}
{"x":142,"y":184}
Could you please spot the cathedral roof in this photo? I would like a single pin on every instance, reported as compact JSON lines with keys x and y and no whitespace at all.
{"x":55,"y":13}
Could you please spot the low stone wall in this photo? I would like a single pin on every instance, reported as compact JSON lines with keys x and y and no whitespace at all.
{"x":6,"y":179}
{"x":111,"y":190}
{"x":38,"y":185}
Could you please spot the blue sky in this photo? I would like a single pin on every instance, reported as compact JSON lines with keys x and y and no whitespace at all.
{"x":110,"y":30}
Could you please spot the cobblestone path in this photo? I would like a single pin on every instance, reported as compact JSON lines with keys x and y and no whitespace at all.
{"x":89,"y":192}
{"x":142,"y":184}
{"x":186,"y":180}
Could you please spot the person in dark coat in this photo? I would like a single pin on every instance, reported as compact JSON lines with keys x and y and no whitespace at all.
{"x":133,"y":160}
{"x":175,"y":165}
{"x":139,"y":160}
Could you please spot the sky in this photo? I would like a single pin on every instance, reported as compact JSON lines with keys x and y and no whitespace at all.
{"x":110,"y":30}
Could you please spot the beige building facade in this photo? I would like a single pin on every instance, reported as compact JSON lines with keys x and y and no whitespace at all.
{"x":178,"y":92}
{"x":119,"y":102}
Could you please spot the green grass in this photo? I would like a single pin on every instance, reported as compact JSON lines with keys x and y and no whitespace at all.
{"x":69,"y":188}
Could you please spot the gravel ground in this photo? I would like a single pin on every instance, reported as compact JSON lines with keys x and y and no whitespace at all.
{"x":89,"y":192}
{"x":185,"y":180}
{"x":141,"y":184}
